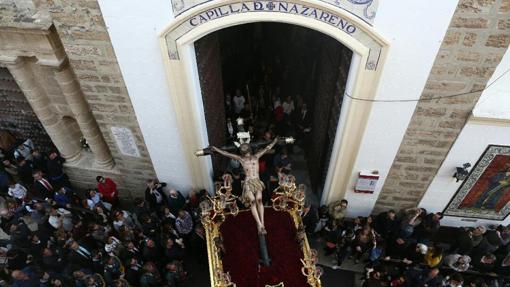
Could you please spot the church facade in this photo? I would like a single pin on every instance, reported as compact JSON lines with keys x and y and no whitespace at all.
{"x":426,"y":90}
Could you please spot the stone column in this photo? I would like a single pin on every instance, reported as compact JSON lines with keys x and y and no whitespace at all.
{"x":74,"y":96}
{"x":474,"y":44}
{"x":68,"y":147}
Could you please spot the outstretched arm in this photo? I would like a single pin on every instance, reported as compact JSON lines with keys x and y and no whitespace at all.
{"x":224,"y":153}
{"x":267,"y":148}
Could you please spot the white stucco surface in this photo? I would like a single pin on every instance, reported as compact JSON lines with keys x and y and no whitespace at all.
{"x":495,"y":100}
{"x":413,"y":49}
{"x":134,"y":26}
{"x":470,"y":145}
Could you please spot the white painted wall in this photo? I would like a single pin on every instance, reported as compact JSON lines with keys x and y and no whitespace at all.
{"x":495,"y":100}
{"x":470,"y":145}
{"x":133,"y":27}
{"x":413,"y":49}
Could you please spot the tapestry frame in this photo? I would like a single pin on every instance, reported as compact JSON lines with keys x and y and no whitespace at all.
{"x":478,"y":170}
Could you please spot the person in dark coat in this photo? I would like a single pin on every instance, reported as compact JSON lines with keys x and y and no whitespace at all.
{"x":173,"y":251}
{"x":176,"y":201}
{"x":130,"y":251}
{"x":491,"y":241}
{"x":463,"y":243}
{"x":198,"y":245}
{"x":397,"y":246}
{"x":426,"y":230}
{"x":133,"y":270}
{"x":26,"y":277}
{"x":25,"y":171}
{"x":50,"y":262}
{"x":152,"y":252}
{"x":484,"y":263}
{"x":42,"y":186}
{"x":310,"y":218}
{"x":154,"y":195}
{"x":386,"y":223}
{"x":429,"y":278}
{"x":302,"y":121}
{"x":4,"y":181}
{"x":141,"y":208}
{"x":39,"y":160}
{"x":79,"y":257}
{"x":415,"y":254}
{"x":55,"y":169}
{"x":20,"y":235}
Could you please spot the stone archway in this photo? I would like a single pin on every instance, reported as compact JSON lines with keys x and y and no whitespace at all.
{"x":369,"y":51}
{"x":40,"y":67}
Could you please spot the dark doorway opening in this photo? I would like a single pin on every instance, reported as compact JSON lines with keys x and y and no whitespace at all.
{"x":17,"y":116}
{"x":275,"y":67}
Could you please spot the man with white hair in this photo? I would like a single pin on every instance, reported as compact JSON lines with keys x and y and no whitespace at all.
{"x":477,"y":235}
{"x":24,"y":149}
{"x":457,"y":262}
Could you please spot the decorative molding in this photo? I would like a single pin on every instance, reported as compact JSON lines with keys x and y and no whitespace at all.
{"x":363,"y":9}
{"x":488,"y":121}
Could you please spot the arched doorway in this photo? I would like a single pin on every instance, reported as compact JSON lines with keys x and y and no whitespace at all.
{"x":270,"y":65}
{"x":369,"y":50}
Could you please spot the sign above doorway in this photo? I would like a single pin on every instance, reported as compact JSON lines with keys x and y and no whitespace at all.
{"x":302,"y":9}
{"x":363,"y":9}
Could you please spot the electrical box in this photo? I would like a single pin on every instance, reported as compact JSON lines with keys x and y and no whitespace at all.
{"x":367,"y":181}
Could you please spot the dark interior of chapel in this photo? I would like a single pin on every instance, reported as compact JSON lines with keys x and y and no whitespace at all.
{"x":269,"y":64}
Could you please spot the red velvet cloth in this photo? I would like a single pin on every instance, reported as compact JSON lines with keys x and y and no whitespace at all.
{"x":241,"y":243}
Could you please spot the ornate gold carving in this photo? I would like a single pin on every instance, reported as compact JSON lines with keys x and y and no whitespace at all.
{"x":287,"y":197}
{"x":310,"y":270}
{"x":223,"y":279}
{"x":214,"y":211}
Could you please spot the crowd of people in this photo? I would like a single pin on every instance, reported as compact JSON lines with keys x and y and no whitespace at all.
{"x":53,"y":235}
{"x":56,"y":235}
{"x":405,"y":248}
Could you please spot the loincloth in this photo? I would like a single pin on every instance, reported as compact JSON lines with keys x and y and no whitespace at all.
{"x":252,"y":186}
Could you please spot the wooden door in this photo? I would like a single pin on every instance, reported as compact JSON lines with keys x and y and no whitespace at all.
{"x":208,"y":55}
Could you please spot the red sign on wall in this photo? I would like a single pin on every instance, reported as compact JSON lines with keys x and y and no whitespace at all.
{"x":367,"y":181}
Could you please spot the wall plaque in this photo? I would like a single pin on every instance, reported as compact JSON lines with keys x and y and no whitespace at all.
{"x":125,"y":141}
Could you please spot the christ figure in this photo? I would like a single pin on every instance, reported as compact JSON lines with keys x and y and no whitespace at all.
{"x":253,"y":186}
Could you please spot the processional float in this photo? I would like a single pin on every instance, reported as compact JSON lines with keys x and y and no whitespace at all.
{"x":287,"y":197}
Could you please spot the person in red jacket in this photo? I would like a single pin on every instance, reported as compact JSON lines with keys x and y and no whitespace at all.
{"x":108,"y":189}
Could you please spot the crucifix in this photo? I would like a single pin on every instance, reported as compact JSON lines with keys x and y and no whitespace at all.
{"x":249,"y":160}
